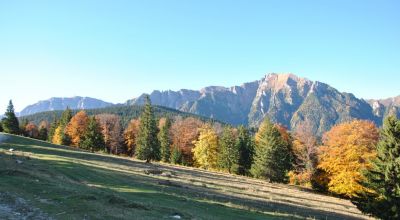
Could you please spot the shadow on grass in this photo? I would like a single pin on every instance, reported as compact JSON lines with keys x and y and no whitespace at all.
{"x":138,"y":191}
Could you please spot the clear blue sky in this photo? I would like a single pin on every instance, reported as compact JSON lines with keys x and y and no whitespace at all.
{"x":115,"y":50}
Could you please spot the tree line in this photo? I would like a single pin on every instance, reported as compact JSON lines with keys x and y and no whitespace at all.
{"x":354,"y":159}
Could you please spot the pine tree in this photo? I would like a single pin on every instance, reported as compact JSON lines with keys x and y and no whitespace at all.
{"x":148,"y":147}
{"x":93,"y":139}
{"x":245,"y":146}
{"x":1,"y":127}
{"x":205,"y":151}
{"x":52,"y":130}
{"x":176,"y":156}
{"x":383,"y":179}
{"x":273,"y":157}
{"x":165,"y":141}
{"x":66,"y":117}
{"x":10,"y":122}
{"x":43,"y":130}
{"x":228,"y":152}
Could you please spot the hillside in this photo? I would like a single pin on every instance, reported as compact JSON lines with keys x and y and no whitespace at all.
{"x":41,"y":181}
{"x":54,"y":103}
{"x":284,"y":98}
{"x":125,"y":112}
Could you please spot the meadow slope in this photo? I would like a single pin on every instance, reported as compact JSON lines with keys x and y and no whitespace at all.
{"x":39,"y":180}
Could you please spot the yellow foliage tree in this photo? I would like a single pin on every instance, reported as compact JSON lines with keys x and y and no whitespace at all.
{"x":346,"y":151}
{"x":205,"y":152}
{"x":76,"y":127}
{"x":57,"y":137}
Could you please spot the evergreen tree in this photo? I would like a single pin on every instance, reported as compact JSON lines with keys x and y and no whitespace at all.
{"x":64,"y":120}
{"x":273,"y":157}
{"x":43,"y":133}
{"x":245,"y":146}
{"x":93,"y":139}
{"x":383,"y":178}
{"x":52,"y":130}
{"x":165,"y":141}
{"x":176,"y":156}
{"x":228,"y":154}
{"x":1,"y":127}
{"x":10,"y":122}
{"x":148,"y":147}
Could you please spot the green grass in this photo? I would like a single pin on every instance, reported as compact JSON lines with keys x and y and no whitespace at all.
{"x":66,"y":183}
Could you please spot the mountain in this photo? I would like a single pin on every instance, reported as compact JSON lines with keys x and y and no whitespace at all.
{"x":284,"y":98}
{"x":383,"y":107}
{"x":76,"y":102}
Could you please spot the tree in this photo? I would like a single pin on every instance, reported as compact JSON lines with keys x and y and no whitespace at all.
{"x":273,"y":156}
{"x":147,"y":145}
{"x":205,"y":153}
{"x":1,"y":127}
{"x":228,"y":152}
{"x":176,"y":156}
{"x":165,"y":140}
{"x":57,"y":137}
{"x":76,"y":128}
{"x":62,"y":137}
{"x":346,"y":151}
{"x":130,"y":135}
{"x":245,"y":146}
{"x":22,"y":127}
{"x":113,"y":134}
{"x":10,"y":122}
{"x":305,"y":152}
{"x":54,"y":125}
{"x":382,"y":199}
{"x":31,"y":130}
{"x":93,"y":138}
{"x":43,"y":130}
{"x":183,"y":133}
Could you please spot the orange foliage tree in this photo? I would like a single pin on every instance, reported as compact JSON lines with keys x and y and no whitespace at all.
{"x":32,"y":130}
{"x":112,"y":132}
{"x":184,"y":132}
{"x":130,"y":135}
{"x":76,"y":127}
{"x":346,"y":152}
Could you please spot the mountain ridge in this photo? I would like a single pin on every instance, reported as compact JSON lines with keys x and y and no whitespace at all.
{"x":284,"y":98}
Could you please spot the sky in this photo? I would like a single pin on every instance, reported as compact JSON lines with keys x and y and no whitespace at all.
{"x":115,"y":50}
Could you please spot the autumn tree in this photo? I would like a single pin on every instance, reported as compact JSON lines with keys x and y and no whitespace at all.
{"x":31,"y":130}
{"x":22,"y":127}
{"x":113,"y":133}
{"x":165,"y":140}
{"x":130,"y":135}
{"x":305,"y":146}
{"x":273,"y":156}
{"x":346,"y":151}
{"x":205,"y":151}
{"x":60,"y":135}
{"x":228,"y":151}
{"x":183,"y":133}
{"x":93,"y":138}
{"x":10,"y":122}
{"x":76,"y":128}
{"x":245,"y":147}
{"x":43,"y":130}
{"x":382,"y":199}
{"x":147,"y":145}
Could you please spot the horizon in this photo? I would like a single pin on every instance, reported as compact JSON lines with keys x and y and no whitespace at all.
{"x":117,"y":51}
